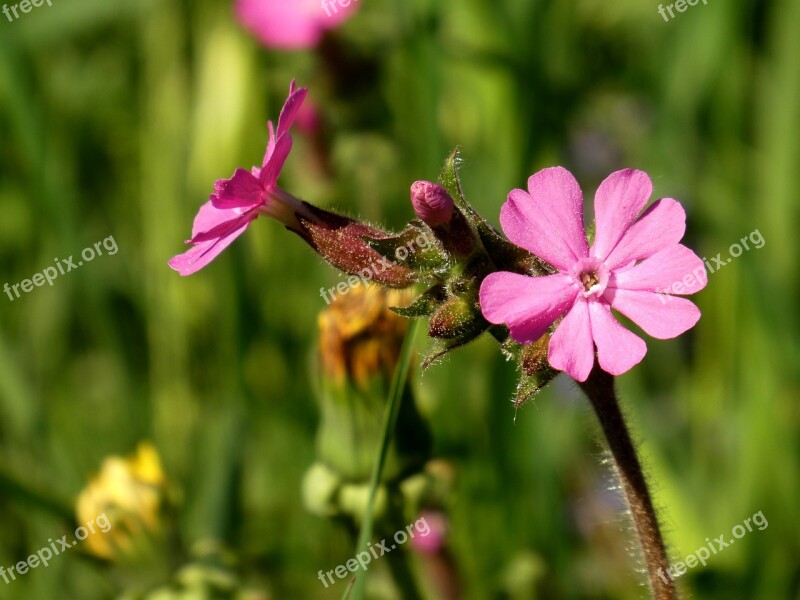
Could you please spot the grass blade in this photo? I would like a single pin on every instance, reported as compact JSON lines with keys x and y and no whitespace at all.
{"x":389,"y":422}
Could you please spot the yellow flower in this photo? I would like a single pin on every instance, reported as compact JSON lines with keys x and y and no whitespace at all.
{"x":360,"y":337}
{"x":360,"y":341}
{"x":129,"y":492}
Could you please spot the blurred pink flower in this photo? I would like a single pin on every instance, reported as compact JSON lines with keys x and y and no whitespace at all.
{"x":293,"y":24}
{"x":633,"y":267}
{"x":433,"y":539}
{"x":238,"y":201}
{"x":309,"y":119}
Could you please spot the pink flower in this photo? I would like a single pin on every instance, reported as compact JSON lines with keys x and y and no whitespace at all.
{"x":238,"y":201}
{"x":433,"y":537}
{"x":292,"y":24}
{"x":632,"y":266}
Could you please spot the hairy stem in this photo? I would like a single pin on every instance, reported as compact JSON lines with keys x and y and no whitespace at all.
{"x":599,"y":387}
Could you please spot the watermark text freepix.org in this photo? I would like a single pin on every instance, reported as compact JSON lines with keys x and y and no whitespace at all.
{"x":45,"y":554}
{"x":700,"y":274}
{"x":363,"y":558}
{"x":715,"y":546}
{"x":62,"y":267}
{"x":25,"y":6}
{"x":366,"y":274}
{"x":327,"y":5}
{"x":680,"y":6}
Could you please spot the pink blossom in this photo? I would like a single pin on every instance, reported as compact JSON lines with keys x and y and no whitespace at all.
{"x":309,"y":119}
{"x":238,"y":201}
{"x":292,"y":24}
{"x":433,"y":538}
{"x":631,"y":266}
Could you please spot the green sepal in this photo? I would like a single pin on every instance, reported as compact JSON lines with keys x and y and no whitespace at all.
{"x":530,"y":385}
{"x":340,"y":240}
{"x":441,"y":347}
{"x":505,"y":255}
{"x":423,"y":305}
{"x":415,"y":248}
{"x":535,"y":370}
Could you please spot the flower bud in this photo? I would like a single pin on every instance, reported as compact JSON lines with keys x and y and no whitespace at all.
{"x":360,"y":344}
{"x":360,"y":338}
{"x":432,"y":203}
{"x":456,"y":318}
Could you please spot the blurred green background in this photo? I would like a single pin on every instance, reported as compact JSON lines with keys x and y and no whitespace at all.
{"x":115,"y":120}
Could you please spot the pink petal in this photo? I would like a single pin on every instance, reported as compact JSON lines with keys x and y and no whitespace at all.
{"x":617,"y":348}
{"x":619,"y":199}
{"x":270,"y":149}
{"x":571,"y":349}
{"x":290,"y":108}
{"x":309,"y":119}
{"x":272,"y":168}
{"x":203,"y":253}
{"x":242,"y":189}
{"x":660,"y":315}
{"x":558,"y":198}
{"x":212,"y":222}
{"x":528,"y":305}
{"x":673,"y":270}
{"x":548,"y":219}
{"x":661,"y":225}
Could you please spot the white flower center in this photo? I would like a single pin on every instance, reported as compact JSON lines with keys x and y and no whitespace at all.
{"x":591,"y":276}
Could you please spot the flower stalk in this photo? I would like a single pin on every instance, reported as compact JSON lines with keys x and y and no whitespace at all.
{"x":599,"y":387}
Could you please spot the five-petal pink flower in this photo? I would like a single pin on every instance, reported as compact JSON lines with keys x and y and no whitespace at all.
{"x":238,"y":201}
{"x":635,"y":266}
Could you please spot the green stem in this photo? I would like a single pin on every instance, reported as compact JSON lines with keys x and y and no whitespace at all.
{"x":390,"y":420}
{"x":399,"y":564}
{"x":599,"y":387}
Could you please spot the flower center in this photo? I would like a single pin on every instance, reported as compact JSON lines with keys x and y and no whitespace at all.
{"x":591,"y":275}
{"x":589,"y":279}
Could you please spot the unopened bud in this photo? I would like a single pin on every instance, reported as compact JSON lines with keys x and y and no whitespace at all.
{"x":455,"y":318}
{"x":432,"y":203}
